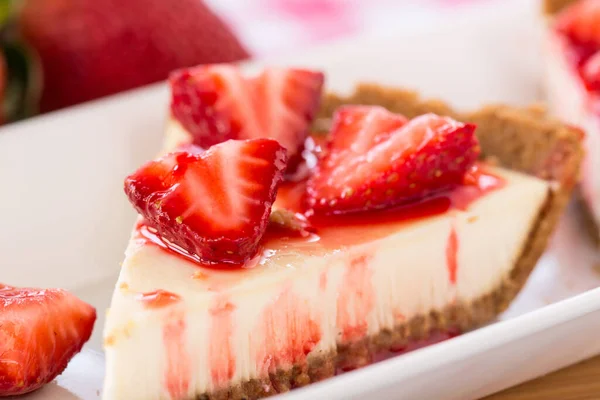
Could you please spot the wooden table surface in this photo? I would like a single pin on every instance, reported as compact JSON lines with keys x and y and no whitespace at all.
{"x":578,"y":382}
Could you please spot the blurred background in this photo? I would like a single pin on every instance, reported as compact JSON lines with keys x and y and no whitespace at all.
{"x":58,"y":53}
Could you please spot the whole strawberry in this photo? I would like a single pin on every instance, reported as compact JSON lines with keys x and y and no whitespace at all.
{"x":93,"y":48}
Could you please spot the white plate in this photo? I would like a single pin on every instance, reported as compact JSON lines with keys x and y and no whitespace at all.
{"x":65,"y":221}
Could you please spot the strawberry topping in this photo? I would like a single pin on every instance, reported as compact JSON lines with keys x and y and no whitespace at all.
{"x":376,"y":159}
{"x":581,"y":22}
{"x":213,"y":205}
{"x":591,"y":72}
{"x":216,"y":102}
{"x":40,"y":331}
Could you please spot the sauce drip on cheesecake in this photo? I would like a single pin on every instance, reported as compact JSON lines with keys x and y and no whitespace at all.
{"x":356,"y":302}
{"x":452,"y":255}
{"x":158,"y":298}
{"x":286,"y":332}
{"x":221,"y":353}
{"x":381,"y":222}
{"x":178,"y":366}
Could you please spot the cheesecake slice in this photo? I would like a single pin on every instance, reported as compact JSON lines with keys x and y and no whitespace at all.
{"x":330,"y":292}
{"x":572,"y":81}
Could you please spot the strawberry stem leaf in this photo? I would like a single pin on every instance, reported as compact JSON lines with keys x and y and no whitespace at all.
{"x":23,"y":86}
{"x":6,"y":10}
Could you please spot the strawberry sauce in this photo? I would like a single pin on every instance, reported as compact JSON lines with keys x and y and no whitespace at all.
{"x":348,"y":229}
{"x":221,"y":354}
{"x":451,"y":255}
{"x":148,"y":235}
{"x":178,"y":367}
{"x":158,"y":298}
{"x":356,"y":300}
{"x":285,"y":333}
{"x":481,"y":182}
{"x":323,"y":281}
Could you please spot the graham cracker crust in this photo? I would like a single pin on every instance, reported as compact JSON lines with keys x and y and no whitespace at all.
{"x":551,"y":7}
{"x":521,"y":139}
{"x":587,"y":219}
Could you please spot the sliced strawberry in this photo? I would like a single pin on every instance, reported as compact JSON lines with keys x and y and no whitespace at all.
{"x":40,"y":331}
{"x":214,"y":205}
{"x":216,"y":102}
{"x":581,"y":22}
{"x":376,"y":159}
{"x":591,"y":72}
{"x":359,"y":128}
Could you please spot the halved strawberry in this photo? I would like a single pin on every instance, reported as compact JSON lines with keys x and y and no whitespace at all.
{"x":214,"y":205}
{"x":581,"y":22}
{"x":40,"y":331}
{"x":216,"y":102}
{"x":376,"y":159}
{"x":591,"y":72}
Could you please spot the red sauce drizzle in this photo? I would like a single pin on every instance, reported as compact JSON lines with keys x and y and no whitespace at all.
{"x":356,"y":299}
{"x":451,"y":255}
{"x":323,"y":281}
{"x":148,"y":234}
{"x":221,"y":355}
{"x":158,"y":298}
{"x":285,"y":333}
{"x":178,"y":368}
{"x":480,"y":183}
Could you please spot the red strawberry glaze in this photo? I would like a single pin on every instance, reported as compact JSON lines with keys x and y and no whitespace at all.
{"x":452,"y":255}
{"x":147,"y":235}
{"x":323,"y":281}
{"x":331,"y":230}
{"x":158,"y":298}
{"x":356,"y":301}
{"x":178,"y":368}
{"x":285,"y":333}
{"x":221,"y":355}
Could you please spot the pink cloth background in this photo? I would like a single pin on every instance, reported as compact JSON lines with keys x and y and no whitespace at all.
{"x":271,"y":26}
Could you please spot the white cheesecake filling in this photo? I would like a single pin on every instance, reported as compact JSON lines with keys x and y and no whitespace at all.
{"x":570,"y":101}
{"x":231,"y":326}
